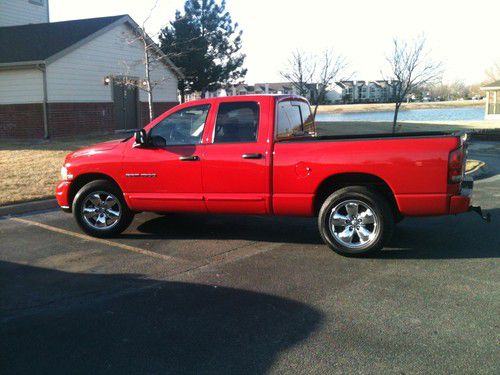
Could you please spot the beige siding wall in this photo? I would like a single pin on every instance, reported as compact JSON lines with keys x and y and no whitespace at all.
{"x":22,"y":12}
{"x":78,"y":76}
{"x":21,"y":86}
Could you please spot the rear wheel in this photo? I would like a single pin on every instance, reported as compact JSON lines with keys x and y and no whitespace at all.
{"x":100,"y":210}
{"x":355,"y":220}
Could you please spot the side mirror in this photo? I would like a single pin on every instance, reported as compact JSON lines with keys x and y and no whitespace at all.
{"x":141,"y":137}
{"x":157,"y":141}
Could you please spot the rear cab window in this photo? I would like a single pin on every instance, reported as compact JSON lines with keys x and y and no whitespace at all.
{"x":294,"y":119}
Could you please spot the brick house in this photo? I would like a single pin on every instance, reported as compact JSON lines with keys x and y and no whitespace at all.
{"x":66,"y":78}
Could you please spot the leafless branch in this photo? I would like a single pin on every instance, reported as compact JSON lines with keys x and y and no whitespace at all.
{"x":151,"y":56}
{"x":410,"y":68}
{"x":300,"y":71}
{"x":332,"y":68}
{"x":493,"y":72}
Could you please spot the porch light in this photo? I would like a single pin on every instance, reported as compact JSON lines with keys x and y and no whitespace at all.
{"x":107,"y":80}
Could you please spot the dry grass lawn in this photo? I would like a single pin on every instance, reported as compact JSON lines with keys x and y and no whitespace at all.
{"x":380,"y":107}
{"x":31,"y":170}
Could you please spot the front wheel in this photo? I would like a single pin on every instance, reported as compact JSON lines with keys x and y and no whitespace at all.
{"x":355,"y":220}
{"x":100,"y":210}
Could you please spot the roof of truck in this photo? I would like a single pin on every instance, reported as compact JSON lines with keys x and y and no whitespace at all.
{"x":241,"y":98}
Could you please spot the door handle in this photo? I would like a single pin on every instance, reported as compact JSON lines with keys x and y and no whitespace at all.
{"x":252,"y":156}
{"x":189,"y":158}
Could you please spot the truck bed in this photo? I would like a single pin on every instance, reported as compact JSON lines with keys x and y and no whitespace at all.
{"x":412,"y":165}
{"x":374,"y":136}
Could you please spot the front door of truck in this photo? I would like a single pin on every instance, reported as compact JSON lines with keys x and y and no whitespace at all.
{"x":236,"y":163}
{"x":166,"y":175}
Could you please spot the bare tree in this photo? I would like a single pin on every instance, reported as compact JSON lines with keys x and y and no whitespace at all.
{"x":312,"y":75}
{"x":300,"y":72}
{"x":493,"y":72}
{"x":411,"y":69}
{"x":152,"y":58}
{"x":332,"y":68}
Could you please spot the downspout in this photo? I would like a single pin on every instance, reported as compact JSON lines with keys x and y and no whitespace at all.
{"x":43,"y":69}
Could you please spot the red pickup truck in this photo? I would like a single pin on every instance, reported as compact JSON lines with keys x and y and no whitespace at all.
{"x":260,"y":155}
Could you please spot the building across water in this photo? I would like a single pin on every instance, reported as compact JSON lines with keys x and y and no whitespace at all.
{"x":380,"y":91}
{"x":492,"y":100}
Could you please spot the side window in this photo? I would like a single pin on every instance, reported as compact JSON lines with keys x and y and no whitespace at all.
{"x":184,"y":127}
{"x":294,"y":118}
{"x":237,"y":122}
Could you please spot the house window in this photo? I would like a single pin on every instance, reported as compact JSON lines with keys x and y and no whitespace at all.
{"x":37,"y":2}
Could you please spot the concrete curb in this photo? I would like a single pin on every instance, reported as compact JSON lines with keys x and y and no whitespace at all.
{"x":22,"y":208}
{"x":478,"y":171}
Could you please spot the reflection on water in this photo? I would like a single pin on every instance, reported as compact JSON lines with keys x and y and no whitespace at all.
{"x":439,"y":114}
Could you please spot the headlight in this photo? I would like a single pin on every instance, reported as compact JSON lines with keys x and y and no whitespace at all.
{"x":64,"y":173}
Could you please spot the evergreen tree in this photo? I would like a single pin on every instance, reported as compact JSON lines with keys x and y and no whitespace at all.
{"x":205,"y":44}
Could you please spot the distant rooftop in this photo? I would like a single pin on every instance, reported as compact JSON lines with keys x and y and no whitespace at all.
{"x":491,"y":86}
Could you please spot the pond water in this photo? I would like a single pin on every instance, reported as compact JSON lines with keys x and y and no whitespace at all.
{"x":440,"y":114}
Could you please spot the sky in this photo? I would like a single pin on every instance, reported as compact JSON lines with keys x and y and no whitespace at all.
{"x":462,"y":34}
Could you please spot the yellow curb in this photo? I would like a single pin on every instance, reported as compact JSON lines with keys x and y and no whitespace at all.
{"x":476,"y":165}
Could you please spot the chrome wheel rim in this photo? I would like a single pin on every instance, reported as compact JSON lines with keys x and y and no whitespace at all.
{"x":354,"y":224}
{"x":101,"y":210}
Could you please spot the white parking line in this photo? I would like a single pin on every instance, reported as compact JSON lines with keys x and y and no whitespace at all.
{"x":133,"y":249}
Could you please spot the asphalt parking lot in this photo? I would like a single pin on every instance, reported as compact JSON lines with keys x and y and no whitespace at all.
{"x":229,"y":294}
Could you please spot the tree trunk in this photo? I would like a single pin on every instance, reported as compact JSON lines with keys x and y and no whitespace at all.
{"x":150,"y":105}
{"x":182,"y":90}
{"x":395,"y":120}
{"x":203,"y":93}
{"x":314,"y":113}
{"x":148,"y":79}
{"x":319,"y":99}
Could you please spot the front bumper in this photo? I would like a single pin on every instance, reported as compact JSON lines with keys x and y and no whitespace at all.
{"x":62,"y":195}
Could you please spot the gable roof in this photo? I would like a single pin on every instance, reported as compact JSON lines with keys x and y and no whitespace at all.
{"x":38,"y":42}
{"x":277,"y":86}
{"x":491,"y":86}
{"x":44,"y":42}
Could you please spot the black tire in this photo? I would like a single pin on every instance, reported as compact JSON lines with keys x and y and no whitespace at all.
{"x":383,"y":218}
{"x":101,"y":187}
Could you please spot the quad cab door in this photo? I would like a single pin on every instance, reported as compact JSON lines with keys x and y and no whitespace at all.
{"x":236,"y":163}
{"x":166,"y":175}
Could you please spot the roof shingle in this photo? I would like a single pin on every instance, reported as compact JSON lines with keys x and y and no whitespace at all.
{"x":37,"y":42}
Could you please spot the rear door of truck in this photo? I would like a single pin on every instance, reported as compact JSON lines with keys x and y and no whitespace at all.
{"x":236,"y":162}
